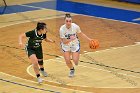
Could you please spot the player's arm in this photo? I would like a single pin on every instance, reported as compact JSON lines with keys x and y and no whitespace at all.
{"x":84,"y":36}
{"x":21,"y":37}
{"x":49,"y":40}
{"x":65,"y":41}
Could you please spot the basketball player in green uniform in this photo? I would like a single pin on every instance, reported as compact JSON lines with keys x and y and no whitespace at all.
{"x":34,"y":48}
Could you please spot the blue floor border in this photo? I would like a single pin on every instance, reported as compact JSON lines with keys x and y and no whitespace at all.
{"x":78,"y":8}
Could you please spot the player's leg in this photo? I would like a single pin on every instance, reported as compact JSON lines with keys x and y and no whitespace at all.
{"x":69,"y":64}
{"x":75,"y":53}
{"x":39,"y":55}
{"x":42,"y":70}
{"x":68,"y":59}
{"x":34,"y":62}
{"x":67,"y":54}
{"x":75,"y":57}
{"x":75,"y":49}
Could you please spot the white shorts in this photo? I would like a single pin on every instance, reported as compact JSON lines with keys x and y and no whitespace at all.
{"x":72,"y":47}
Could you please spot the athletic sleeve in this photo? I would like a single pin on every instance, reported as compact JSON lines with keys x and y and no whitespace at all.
{"x":61,"y":32}
{"x":78,"y":29}
{"x":29,"y":34}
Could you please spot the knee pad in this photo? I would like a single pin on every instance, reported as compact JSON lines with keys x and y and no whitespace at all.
{"x":40,"y":62}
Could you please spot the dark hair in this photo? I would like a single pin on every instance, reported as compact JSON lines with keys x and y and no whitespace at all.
{"x":67,"y":15}
{"x":40,"y":25}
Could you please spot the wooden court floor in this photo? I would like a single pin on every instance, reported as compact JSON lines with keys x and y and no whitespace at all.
{"x":111,"y":68}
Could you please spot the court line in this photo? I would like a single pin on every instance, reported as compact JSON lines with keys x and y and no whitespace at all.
{"x":97,"y":69}
{"x":28,"y":20}
{"x":83,"y":14}
{"x":101,"y":50}
{"x":75,"y":13}
{"x":31,"y":65}
{"x":34,"y":7}
{"x":136,"y":19}
{"x":111,"y":19}
{"x":59,"y":17}
{"x":24,"y":85}
{"x":27,"y":11}
{"x":33,"y":19}
{"x":80,"y":66}
{"x":28,"y":71}
{"x":74,"y":90}
{"x":136,"y":43}
{"x":58,"y":60}
{"x":108,"y":6}
{"x":80,"y":14}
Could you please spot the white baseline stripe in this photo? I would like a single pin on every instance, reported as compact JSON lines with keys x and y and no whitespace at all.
{"x":43,"y":84}
{"x":34,"y":7}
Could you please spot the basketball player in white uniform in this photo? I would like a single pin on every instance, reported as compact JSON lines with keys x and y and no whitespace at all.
{"x":70,"y":43}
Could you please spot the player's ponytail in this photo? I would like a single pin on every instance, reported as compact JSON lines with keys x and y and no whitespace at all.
{"x":67,"y":15}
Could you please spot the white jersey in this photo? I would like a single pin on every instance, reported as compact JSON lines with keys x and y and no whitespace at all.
{"x":66,"y":33}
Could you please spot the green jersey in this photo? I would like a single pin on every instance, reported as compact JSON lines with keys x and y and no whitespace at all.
{"x":35,"y":40}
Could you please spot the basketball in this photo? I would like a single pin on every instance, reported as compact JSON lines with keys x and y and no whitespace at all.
{"x":94,"y":44}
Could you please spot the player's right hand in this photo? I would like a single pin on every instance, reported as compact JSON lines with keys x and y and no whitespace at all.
{"x":72,"y":37}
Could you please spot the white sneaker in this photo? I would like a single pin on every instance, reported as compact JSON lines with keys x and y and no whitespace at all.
{"x":71,"y":74}
{"x":39,"y":80}
{"x":44,"y":73}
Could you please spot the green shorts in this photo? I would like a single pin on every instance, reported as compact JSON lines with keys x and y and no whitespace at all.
{"x":37,"y":51}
